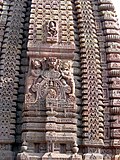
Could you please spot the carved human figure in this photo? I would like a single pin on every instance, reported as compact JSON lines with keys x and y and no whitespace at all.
{"x":53,"y":63}
{"x":36,"y":71}
{"x":35,"y":75}
{"x":52,"y":31}
{"x":67,"y":78}
{"x":36,"y":67}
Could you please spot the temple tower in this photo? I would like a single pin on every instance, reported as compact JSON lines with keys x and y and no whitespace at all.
{"x":59,"y":80}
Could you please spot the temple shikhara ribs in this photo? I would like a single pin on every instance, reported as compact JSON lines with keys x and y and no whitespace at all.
{"x":59,"y":80}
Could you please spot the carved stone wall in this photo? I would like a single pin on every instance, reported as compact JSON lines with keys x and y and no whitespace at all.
{"x":11,"y":28}
{"x":44,"y":13}
{"x":59,"y":80}
{"x":50,"y":101}
{"x":24,"y":62}
{"x":92,"y":110}
{"x":111,"y":34}
{"x":49,"y":123}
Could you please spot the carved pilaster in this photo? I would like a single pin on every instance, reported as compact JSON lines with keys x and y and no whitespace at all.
{"x":92,"y":111}
{"x":104,"y":67}
{"x":11,"y":19}
{"x":112,"y":38}
{"x":92,"y":96}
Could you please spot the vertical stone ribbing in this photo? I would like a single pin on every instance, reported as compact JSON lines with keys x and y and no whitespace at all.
{"x":9,"y":75}
{"x":3,"y":19}
{"x":104,"y":82}
{"x":77,"y":73}
{"x":22,"y":75}
{"x":112,"y":39}
{"x":91,"y":76}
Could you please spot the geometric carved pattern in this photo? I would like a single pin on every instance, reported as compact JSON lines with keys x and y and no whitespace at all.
{"x":92,"y":95}
{"x":10,"y":50}
{"x":113,"y":60}
{"x":59,"y":12}
{"x":101,"y":41}
{"x":3,"y":18}
{"x":9,"y":73}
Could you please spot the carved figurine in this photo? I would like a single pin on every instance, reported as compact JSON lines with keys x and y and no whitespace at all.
{"x":67,"y":78}
{"x":36,"y":72}
{"x":52,"y":31}
{"x":36,"y":67}
{"x":35,"y":76}
{"x":53,"y":63}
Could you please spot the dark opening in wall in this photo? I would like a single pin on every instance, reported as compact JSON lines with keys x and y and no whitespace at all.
{"x":62,"y":148}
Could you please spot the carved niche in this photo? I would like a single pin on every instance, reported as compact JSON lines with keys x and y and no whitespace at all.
{"x":52,"y":31}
